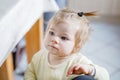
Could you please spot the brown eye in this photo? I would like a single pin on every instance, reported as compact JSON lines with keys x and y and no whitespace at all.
{"x":64,"y":38}
{"x":51,"y":33}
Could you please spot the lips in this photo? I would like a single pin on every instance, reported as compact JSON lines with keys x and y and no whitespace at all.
{"x":53,"y":47}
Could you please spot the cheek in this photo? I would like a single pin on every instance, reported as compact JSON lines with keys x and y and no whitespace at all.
{"x":45,"y":43}
{"x":71,"y":46}
{"x":46,"y":40}
{"x":68,"y":47}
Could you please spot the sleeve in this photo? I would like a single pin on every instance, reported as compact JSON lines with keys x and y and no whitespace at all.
{"x":31,"y":71}
{"x":100,"y":72}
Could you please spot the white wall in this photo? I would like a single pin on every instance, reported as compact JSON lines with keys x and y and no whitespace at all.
{"x":105,"y":7}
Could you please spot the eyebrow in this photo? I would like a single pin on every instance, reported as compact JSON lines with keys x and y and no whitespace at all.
{"x":66,"y":34}
{"x":51,"y":28}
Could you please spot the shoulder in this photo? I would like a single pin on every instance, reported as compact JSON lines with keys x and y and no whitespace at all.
{"x":82,"y":59}
{"x":37,"y":56}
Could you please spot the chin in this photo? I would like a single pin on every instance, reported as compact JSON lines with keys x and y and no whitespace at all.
{"x":53,"y":51}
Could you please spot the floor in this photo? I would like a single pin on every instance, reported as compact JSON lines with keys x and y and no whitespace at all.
{"x":103,"y":46}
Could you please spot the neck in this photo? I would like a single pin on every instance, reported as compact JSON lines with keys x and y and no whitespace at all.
{"x":54,"y":59}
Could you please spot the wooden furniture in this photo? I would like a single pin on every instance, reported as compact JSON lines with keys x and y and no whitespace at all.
{"x":34,"y":39}
{"x":6,"y":70}
{"x":33,"y":44}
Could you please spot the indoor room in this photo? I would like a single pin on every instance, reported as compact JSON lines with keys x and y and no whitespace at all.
{"x":23,"y":26}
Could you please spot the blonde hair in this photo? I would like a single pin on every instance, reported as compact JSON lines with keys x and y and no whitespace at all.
{"x":73,"y":18}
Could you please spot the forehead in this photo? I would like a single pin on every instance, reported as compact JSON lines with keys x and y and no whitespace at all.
{"x":65,"y":27}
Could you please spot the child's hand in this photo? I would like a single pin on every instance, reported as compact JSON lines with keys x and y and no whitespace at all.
{"x":80,"y":69}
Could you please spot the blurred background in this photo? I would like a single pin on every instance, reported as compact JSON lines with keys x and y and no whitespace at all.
{"x":103,"y":46}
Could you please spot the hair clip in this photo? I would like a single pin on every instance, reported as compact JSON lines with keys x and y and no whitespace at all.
{"x":80,"y":14}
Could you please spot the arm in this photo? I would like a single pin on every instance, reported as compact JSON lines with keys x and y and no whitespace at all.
{"x":101,"y":73}
{"x":30,"y":72}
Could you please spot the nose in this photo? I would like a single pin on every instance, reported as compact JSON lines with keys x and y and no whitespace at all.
{"x":55,"y":40}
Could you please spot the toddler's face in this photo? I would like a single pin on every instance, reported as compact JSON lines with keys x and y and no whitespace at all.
{"x":60,"y":39}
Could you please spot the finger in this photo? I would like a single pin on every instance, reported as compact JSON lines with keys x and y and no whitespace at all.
{"x":70,"y":70}
{"x":77,"y":70}
{"x":80,"y":69}
{"x":77,"y":67}
{"x":84,"y":69}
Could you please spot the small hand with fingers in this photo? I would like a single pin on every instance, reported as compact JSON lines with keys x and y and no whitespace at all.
{"x":80,"y":69}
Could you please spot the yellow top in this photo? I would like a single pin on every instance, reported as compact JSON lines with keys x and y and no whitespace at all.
{"x":40,"y":69}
